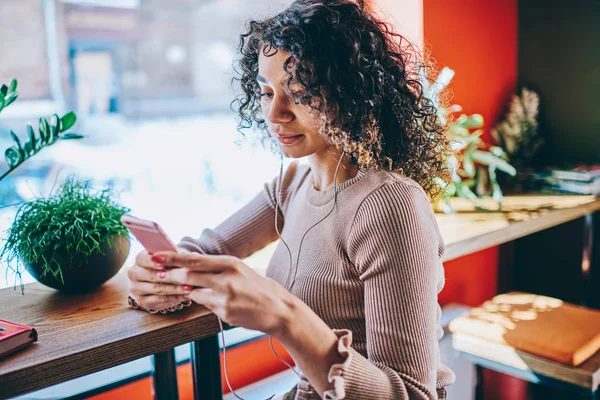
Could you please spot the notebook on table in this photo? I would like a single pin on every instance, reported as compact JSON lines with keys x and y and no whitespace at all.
{"x":539,"y":325}
{"x":14,"y":336}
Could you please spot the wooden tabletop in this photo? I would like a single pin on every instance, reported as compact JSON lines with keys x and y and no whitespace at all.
{"x":470,"y":230}
{"x":82,"y":334}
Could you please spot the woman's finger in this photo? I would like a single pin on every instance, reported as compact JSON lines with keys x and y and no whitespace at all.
{"x":143,"y":259}
{"x":184,"y":276}
{"x":203,"y":296}
{"x":138,"y":273}
{"x":163,"y":289}
{"x":195,"y":261}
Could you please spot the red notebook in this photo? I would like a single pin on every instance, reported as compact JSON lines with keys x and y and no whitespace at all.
{"x":15,"y":336}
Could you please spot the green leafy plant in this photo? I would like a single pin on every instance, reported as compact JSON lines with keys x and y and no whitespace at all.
{"x":49,"y":132}
{"x":475,"y":175}
{"x":57,"y":230}
{"x":480,"y":161}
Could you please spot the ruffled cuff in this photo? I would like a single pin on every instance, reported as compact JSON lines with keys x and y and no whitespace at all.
{"x":355,"y":377}
{"x":337,"y":372}
{"x":134,"y":304}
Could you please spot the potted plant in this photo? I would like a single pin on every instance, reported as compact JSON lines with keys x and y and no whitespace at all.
{"x":475,"y":175}
{"x":72,"y":241}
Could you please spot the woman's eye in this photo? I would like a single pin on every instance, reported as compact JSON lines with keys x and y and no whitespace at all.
{"x":267,"y":95}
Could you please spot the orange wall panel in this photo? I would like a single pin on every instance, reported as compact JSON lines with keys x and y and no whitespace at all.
{"x":472,"y":279}
{"x":478,"y":40}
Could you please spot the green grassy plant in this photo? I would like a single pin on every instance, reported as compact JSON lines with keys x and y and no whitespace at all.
{"x":60,"y":229}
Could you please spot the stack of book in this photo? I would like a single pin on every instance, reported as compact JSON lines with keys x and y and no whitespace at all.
{"x":583,"y":179}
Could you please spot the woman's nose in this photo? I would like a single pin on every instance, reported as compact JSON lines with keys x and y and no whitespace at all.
{"x":280,"y":112}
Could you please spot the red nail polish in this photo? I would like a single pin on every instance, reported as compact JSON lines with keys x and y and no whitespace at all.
{"x":187,"y":288}
{"x":158,"y":259}
{"x":162,"y":274}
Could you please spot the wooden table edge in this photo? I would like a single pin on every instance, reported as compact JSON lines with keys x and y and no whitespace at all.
{"x":518,"y":229}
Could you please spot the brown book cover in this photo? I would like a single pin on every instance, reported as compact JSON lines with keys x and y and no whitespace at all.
{"x":539,"y":325}
{"x":15,"y":336}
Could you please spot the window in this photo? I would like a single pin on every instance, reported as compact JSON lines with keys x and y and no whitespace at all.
{"x":150,"y":83}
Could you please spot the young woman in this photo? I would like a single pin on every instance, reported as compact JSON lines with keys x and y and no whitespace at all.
{"x":351,"y":290}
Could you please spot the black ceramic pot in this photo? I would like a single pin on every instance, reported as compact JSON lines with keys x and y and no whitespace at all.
{"x":87,"y":273}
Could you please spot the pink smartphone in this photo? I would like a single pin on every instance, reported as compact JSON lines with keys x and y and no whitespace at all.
{"x":149,"y":234}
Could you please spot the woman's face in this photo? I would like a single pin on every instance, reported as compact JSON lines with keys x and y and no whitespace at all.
{"x":294,"y":127}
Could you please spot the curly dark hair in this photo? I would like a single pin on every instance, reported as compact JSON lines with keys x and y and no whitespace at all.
{"x":374,"y":107}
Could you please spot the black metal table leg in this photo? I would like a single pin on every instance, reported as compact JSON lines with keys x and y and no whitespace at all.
{"x":206,"y":369}
{"x":164,"y":376}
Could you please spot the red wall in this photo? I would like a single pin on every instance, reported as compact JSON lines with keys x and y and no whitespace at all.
{"x":478,"y":40}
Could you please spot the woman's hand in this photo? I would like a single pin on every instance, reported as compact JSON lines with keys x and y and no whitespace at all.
{"x":229,"y":288}
{"x":150,"y":291}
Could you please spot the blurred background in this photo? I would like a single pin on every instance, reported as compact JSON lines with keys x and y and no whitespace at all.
{"x":150,"y":83}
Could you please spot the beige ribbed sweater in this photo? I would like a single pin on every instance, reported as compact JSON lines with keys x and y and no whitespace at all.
{"x":371,"y":270}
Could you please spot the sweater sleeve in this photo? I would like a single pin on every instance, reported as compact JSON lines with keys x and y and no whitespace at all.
{"x":250,"y":228}
{"x":396,"y":247}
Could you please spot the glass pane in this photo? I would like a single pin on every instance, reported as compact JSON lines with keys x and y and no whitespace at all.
{"x":150,"y":82}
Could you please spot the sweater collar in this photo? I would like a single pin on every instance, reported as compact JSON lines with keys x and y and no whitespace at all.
{"x":321,"y":198}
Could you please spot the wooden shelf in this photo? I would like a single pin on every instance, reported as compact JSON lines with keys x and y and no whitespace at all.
{"x":470,"y":230}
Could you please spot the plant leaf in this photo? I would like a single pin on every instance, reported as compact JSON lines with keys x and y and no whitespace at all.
{"x":13,"y":85}
{"x":465,"y":192}
{"x":46,"y":128}
{"x":472,"y":121}
{"x":12,"y":157}
{"x":32,"y":138}
{"x":43,"y":131}
{"x":18,"y":142}
{"x":498,"y":152}
{"x":3,"y":90}
{"x":469,"y":183}
{"x":53,"y":132}
{"x":69,"y":136}
{"x":458,"y":130}
{"x":468,"y":164}
{"x":486,"y":158}
{"x":29,"y":149}
{"x":12,"y":97}
{"x":67,"y":121}
{"x":1,"y":102}
{"x":56,"y":122}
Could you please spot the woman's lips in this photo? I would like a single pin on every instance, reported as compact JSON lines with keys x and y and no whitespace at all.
{"x":288,"y":139}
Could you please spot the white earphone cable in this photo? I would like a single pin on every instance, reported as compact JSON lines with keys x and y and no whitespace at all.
{"x":277,"y":202}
